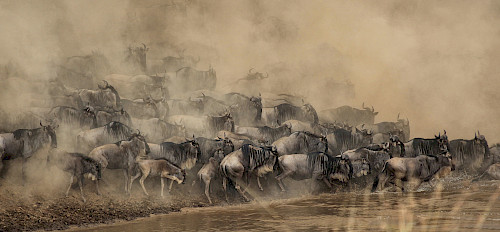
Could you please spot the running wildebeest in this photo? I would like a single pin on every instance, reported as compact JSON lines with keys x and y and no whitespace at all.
{"x":78,"y":165}
{"x":109,"y":133}
{"x":314,"y":165}
{"x":210,"y":170}
{"x":285,"y":112}
{"x":341,"y":140}
{"x":301,"y":142}
{"x":206,"y":126}
{"x":415,"y":170}
{"x":470,"y":154}
{"x":121,"y":155}
{"x":248,"y":160}
{"x":24,"y":143}
{"x":350,"y":115}
{"x":158,"y":130}
{"x":419,"y":146}
{"x":69,"y":116}
{"x":264,"y":133}
{"x":159,"y":167}
{"x":183,"y":154}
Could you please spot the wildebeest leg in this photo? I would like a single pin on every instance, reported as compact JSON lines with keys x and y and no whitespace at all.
{"x":80,"y":184}
{"x":170,"y":186}
{"x":125,"y":173}
{"x":224,"y":186}
{"x":280,"y":178}
{"x":143,"y":177}
{"x":399,"y":183}
{"x":328,"y":184}
{"x":258,"y":184}
{"x":162,"y":185}
{"x":207,"y":189}
{"x":132,"y":181}
{"x":97,"y":187}
{"x":70,"y":183}
{"x":242,"y":193}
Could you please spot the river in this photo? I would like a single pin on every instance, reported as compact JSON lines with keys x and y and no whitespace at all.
{"x":473,"y":208}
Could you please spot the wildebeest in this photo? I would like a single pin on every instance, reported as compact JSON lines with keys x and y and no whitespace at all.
{"x":296,"y":125}
{"x":492,"y":171}
{"x":420,"y":146}
{"x":209,"y":146}
{"x":285,"y":112}
{"x":350,"y":115}
{"x":400,"y":127}
{"x":159,"y":167}
{"x":314,"y":165}
{"x":69,"y":116}
{"x":206,"y":126}
{"x":121,"y":155}
{"x":190,"y":79}
{"x":172,"y":63}
{"x":414,"y":170}
{"x":264,"y":133}
{"x":109,"y":133}
{"x":24,"y":143}
{"x":210,"y":170}
{"x":385,"y":137}
{"x":248,"y":160}
{"x":368,"y":163}
{"x":212,"y":106}
{"x":105,"y":116}
{"x":301,"y":142}
{"x":81,"y":71}
{"x":469,"y":154}
{"x":139,"y":86}
{"x":142,"y":108}
{"x":183,"y":154}
{"x":158,"y":130}
{"x":341,"y":140}
{"x":185,"y":106}
{"x":78,"y":165}
{"x":247,"y":111}
{"x":106,"y":97}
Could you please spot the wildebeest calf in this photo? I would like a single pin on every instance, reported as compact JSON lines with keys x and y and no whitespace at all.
{"x":210,"y":171}
{"x":160,"y":167}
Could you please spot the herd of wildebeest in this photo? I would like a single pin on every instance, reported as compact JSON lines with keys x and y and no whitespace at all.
{"x":176,"y":126}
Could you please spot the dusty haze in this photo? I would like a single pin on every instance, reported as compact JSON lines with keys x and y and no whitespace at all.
{"x":435,"y":62}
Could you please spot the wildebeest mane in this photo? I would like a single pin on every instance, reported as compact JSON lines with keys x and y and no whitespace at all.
{"x":118,"y":129}
{"x":320,"y":162}
{"x":286,"y":112}
{"x":255,"y":156}
{"x":181,"y":152}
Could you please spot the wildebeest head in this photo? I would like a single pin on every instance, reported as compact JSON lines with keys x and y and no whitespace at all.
{"x":365,"y":136}
{"x":93,"y":168}
{"x":50,"y":131}
{"x":445,"y":160}
{"x":343,"y":170}
{"x":140,"y":142}
{"x":194,"y":147}
{"x":310,"y":113}
{"x":444,"y":144}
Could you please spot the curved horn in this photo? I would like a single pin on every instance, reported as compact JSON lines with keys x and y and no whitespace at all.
{"x":445,"y":131}
{"x":475,"y":135}
{"x":144,"y":45}
{"x":138,"y":131}
{"x":41,"y":123}
{"x":250,"y":71}
{"x":478,"y":133}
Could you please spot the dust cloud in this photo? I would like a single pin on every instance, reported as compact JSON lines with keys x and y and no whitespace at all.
{"x":434,"y":62}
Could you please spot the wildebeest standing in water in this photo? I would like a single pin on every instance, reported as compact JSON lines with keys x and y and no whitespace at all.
{"x":350,"y":115}
{"x":78,"y":165}
{"x":285,"y":112}
{"x":24,"y":143}
{"x":109,"y":133}
{"x":342,"y":140}
{"x":245,"y":162}
{"x":159,"y":167}
{"x":121,"y":155}
{"x":419,"y":146}
{"x":318,"y":166}
{"x":414,"y":170}
{"x":470,"y":154}
{"x":206,"y":126}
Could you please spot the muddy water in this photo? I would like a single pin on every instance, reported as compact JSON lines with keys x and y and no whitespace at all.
{"x":473,"y":208}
